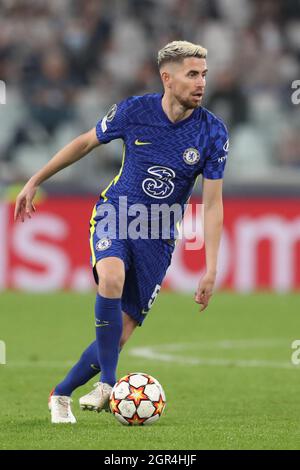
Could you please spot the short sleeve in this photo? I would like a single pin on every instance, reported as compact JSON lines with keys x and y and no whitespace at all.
{"x":113,"y":125}
{"x":214,"y":165}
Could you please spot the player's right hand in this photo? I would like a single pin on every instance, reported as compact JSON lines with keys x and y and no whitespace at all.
{"x":24,"y":203}
{"x":205,"y":290}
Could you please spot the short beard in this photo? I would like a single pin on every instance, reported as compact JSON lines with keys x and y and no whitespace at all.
{"x":187,"y":104}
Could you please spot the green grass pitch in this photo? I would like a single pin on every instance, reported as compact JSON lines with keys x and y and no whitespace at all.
{"x":227,"y":372}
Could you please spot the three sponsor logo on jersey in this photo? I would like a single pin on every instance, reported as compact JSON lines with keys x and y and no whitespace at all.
{"x":159,"y":184}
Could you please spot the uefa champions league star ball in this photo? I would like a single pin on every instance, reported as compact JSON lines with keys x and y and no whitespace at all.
{"x":137,"y":399}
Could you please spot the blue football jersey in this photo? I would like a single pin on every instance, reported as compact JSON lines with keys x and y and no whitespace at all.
{"x":161,"y":159}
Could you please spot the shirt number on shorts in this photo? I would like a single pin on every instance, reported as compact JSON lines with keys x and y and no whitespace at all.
{"x":160,"y":185}
{"x":153,"y":296}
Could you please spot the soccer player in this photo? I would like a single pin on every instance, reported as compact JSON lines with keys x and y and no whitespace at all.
{"x":169,"y":139}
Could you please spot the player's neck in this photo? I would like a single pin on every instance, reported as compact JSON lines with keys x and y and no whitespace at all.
{"x":174,"y":110}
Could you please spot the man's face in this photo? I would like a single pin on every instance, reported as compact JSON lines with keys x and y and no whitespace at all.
{"x":186,"y":81}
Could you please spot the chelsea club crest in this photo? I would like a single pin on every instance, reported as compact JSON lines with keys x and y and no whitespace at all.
{"x":103,"y":244}
{"x":191,"y":156}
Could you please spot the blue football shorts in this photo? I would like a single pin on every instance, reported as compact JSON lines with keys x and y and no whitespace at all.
{"x":146,"y":262}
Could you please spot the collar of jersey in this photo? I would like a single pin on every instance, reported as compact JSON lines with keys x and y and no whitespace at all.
{"x":165,"y":117}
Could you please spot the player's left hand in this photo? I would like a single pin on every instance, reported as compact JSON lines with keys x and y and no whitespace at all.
{"x":205,"y":290}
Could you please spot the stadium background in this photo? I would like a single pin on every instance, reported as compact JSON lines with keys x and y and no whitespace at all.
{"x":64,"y":64}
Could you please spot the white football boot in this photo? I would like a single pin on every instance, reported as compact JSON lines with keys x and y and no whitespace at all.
{"x":60,"y":408}
{"x":97,"y":399}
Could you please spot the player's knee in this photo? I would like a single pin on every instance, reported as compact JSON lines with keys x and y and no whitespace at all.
{"x":111,"y":284}
{"x":111,"y":274}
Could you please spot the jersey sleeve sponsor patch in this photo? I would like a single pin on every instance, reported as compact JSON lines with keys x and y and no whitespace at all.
{"x":113,"y":125}
{"x":215,"y":162}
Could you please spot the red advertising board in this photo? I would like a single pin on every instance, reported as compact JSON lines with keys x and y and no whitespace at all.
{"x":260,"y":247}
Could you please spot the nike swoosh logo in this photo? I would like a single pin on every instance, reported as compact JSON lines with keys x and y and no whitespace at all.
{"x":101,"y":324}
{"x":137,"y":142}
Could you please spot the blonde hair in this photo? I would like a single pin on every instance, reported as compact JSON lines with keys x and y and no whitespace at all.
{"x":176,"y":51}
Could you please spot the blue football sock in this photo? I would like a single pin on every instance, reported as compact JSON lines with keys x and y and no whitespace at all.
{"x":86,"y":368}
{"x":109,"y":325}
